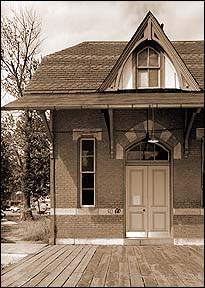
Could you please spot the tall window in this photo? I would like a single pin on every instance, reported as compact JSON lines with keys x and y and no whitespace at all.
{"x":148,"y":68}
{"x":87,"y":172}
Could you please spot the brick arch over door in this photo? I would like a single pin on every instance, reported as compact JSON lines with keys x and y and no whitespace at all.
{"x":138,"y":132}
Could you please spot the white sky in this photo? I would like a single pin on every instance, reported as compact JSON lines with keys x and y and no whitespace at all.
{"x":66,"y":23}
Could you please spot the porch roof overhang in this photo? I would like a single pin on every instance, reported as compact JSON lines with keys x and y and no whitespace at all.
{"x":107,"y":100}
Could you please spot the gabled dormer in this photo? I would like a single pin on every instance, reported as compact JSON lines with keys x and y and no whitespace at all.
{"x":149,"y":61}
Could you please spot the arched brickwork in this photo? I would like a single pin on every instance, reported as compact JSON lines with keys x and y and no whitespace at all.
{"x":138,"y":132}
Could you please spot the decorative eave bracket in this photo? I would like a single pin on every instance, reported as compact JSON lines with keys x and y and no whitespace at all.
{"x":108,"y":115}
{"x":46,"y":124}
{"x":48,"y":128}
{"x":188,"y":131}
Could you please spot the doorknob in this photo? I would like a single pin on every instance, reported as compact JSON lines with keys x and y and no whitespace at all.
{"x":143,"y":210}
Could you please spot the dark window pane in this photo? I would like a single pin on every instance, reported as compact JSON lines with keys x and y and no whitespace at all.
{"x":153,"y":58}
{"x":136,"y":147}
{"x":153,"y":78}
{"x":133,"y":155}
{"x":142,"y":58}
{"x":160,"y":153}
{"x":87,"y":180}
{"x":88,"y":197}
{"x":147,"y":151}
{"x":87,"y":164}
{"x":87,"y":147}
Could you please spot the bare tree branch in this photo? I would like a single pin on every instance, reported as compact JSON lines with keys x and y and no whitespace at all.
{"x":20,"y":44}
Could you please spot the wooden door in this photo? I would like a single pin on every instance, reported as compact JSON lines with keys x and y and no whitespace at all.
{"x":158,"y":202}
{"x":136,"y":199}
{"x":147,"y":201}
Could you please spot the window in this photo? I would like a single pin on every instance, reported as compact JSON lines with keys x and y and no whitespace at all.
{"x":87,"y":172}
{"x":148,"y":68}
{"x":147,"y":151}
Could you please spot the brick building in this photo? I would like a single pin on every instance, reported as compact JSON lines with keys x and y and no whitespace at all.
{"x":127,"y":131}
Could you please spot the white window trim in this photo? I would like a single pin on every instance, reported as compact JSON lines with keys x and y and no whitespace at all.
{"x":149,"y":68}
{"x":81,"y":172}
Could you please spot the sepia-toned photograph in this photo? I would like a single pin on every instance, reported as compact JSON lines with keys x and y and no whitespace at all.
{"x":102,"y":144}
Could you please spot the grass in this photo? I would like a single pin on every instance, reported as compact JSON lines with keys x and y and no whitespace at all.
{"x":37,"y":230}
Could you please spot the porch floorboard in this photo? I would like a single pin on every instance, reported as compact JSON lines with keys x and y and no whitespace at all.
{"x":108,"y":266}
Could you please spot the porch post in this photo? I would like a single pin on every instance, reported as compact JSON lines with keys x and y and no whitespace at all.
{"x":50,"y":132}
{"x":110,"y":112}
{"x":52,"y":177}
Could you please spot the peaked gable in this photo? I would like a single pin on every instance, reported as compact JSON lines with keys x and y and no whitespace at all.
{"x":150,"y":31}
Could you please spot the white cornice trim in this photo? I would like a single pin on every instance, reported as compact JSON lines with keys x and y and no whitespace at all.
{"x":188,"y":241}
{"x":86,"y":211}
{"x":188,"y":211}
{"x":94,"y":241}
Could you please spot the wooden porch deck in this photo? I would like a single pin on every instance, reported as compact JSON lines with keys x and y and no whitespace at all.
{"x":108,"y":266}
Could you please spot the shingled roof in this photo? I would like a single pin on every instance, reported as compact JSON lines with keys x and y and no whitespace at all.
{"x":84,"y":67}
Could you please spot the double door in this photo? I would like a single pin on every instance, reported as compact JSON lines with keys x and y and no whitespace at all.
{"x":147,"y":201}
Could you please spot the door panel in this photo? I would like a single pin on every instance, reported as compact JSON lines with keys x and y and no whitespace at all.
{"x":147,"y":198}
{"x":136,"y":220}
{"x":158,"y":187}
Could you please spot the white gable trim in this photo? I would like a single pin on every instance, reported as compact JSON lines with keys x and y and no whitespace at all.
{"x":150,"y":30}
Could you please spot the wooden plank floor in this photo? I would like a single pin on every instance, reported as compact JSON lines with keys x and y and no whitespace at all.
{"x":108,"y":266}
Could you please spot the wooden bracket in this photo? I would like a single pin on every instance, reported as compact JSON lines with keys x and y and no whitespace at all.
{"x":49,"y":128}
{"x":108,"y":115}
{"x":188,"y":131}
{"x":46,"y":124}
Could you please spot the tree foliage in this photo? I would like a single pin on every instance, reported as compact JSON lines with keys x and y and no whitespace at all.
{"x":6,"y":166}
{"x":34,"y":135}
{"x":16,"y":133}
{"x":29,"y":146}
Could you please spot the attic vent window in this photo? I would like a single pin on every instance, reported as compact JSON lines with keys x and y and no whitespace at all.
{"x":148,"y":68}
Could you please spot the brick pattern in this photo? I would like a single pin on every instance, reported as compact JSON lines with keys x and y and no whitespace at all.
{"x":110,"y":183}
{"x":188,"y":219}
{"x":93,"y":226}
{"x":187,"y":178}
{"x":189,"y":226}
{"x":66,"y":167}
{"x":189,"y":231}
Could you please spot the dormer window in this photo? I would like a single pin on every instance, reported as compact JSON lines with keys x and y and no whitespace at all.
{"x":148,"y":68}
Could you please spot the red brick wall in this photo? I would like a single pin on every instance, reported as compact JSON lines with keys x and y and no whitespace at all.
{"x":189,"y":226}
{"x":66,"y":171}
{"x":187,"y":178}
{"x":98,"y":226}
{"x":110,"y":186}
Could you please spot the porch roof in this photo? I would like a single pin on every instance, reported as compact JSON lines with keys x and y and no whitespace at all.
{"x":104,"y":100}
